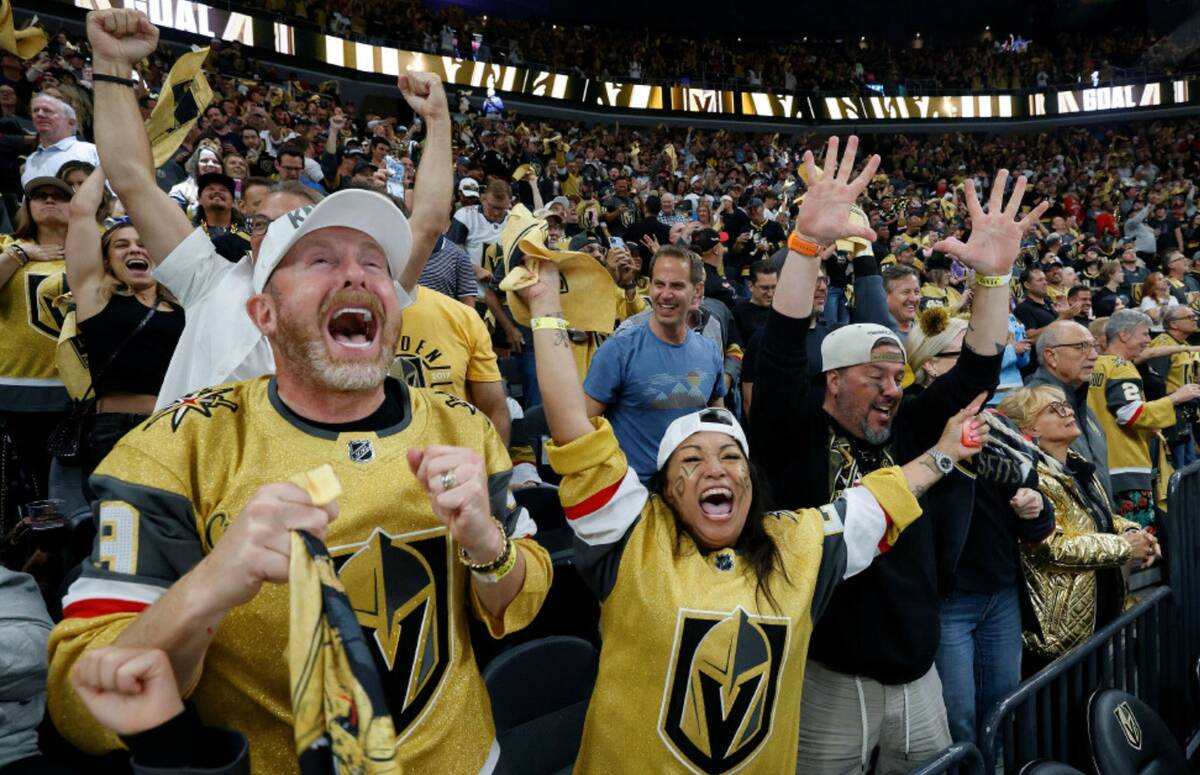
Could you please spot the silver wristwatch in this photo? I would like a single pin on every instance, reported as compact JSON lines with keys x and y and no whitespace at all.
{"x":942,"y":461}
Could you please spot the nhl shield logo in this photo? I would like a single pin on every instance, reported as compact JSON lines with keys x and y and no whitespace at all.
{"x":1129,"y":725}
{"x":361,"y":451}
{"x":722,"y":686}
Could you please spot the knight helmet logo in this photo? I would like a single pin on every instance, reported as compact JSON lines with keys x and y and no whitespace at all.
{"x":397,"y":586}
{"x":719,"y":704}
{"x":1129,"y":725}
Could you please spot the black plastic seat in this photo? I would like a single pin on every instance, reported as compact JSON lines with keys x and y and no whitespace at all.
{"x":1043,"y":767}
{"x":1127,"y":737}
{"x":540,"y":692}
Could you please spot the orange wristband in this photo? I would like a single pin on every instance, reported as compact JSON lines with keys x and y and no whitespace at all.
{"x":798,"y":244}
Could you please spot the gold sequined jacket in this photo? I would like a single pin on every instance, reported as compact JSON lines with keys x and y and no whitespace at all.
{"x":1061,"y":571}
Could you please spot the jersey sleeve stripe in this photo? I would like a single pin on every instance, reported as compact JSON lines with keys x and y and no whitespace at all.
{"x":865,"y":529}
{"x":605,"y":517}
{"x":1129,"y":413}
{"x":90,"y":609}
{"x":89,"y":597}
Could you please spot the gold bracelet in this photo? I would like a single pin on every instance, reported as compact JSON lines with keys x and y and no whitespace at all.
{"x":993,"y":280}
{"x":491,"y":572}
{"x":556,"y":323}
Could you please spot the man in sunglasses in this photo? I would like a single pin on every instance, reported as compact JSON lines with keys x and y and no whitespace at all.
{"x":1067,"y":353}
{"x":219,"y":343}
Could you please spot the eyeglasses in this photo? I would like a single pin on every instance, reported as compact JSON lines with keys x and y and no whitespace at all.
{"x":1060,"y":408}
{"x":1080,"y":347}
{"x":259,"y":225}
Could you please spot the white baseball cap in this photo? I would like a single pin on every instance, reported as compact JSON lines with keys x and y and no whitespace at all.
{"x":469,"y":187}
{"x":855,"y":345}
{"x":712,"y":419}
{"x":367,"y":211}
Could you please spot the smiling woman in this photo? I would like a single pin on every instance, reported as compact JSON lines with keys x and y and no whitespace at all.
{"x":128,"y":322}
{"x":707,"y":600}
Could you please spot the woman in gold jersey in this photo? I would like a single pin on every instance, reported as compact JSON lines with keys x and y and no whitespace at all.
{"x":32,"y":397}
{"x":707,"y":601}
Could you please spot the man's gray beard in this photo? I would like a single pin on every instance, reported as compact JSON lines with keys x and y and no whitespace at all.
{"x":343,"y":376}
{"x":876,"y":438}
{"x":311,"y":359}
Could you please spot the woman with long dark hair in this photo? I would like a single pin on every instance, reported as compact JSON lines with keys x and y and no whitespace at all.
{"x":707,"y":601}
{"x":128,"y":322}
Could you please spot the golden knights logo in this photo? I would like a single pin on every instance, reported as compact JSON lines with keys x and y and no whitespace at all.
{"x":420,"y":364}
{"x":719,"y":702}
{"x":202,"y":402}
{"x":44,"y":317}
{"x":397,"y":586}
{"x":1129,"y":725}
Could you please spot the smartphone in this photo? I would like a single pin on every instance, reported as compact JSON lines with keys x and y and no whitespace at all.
{"x":616,"y":242}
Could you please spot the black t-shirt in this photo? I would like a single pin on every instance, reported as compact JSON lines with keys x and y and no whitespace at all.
{"x":1035,"y":314}
{"x":718,"y":288}
{"x":750,"y":318}
{"x":618,"y":226}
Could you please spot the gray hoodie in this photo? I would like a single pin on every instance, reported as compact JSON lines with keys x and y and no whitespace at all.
{"x":24,"y":632}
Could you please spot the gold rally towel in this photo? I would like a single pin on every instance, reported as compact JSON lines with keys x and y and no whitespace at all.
{"x":341,"y":716}
{"x":24,"y":43}
{"x":183,"y":98}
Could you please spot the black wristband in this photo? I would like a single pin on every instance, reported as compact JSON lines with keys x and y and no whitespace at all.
{"x":102,"y":78}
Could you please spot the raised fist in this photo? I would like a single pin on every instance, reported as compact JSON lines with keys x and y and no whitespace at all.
{"x":121,"y":36}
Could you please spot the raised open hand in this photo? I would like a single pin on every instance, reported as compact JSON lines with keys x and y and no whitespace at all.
{"x":996,"y":235}
{"x":424,"y":94}
{"x":824,"y":215}
{"x":121,"y":36}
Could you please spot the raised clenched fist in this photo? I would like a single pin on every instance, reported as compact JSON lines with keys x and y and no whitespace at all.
{"x":121,"y":36}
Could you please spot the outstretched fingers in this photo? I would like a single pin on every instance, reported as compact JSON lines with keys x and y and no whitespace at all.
{"x":1014,"y":201}
{"x":843,"y":173}
{"x":831,"y":149}
{"x":859,"y":184}
{"x":973,"y":208}
{"x":996,"y":200}
{"x":1034,"y":216}
{"x":810,"y":167}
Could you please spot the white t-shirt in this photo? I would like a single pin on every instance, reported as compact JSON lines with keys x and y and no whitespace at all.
{"x":45,"y":161}
{"x":219,"y":343}
{"x":480,"y":231}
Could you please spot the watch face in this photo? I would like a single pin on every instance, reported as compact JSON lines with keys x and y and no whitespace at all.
{"x":945,"y":463}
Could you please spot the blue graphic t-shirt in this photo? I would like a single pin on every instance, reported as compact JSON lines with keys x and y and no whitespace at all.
{"x":647,"y":383}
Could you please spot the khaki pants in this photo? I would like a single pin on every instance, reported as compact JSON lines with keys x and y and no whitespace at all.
{"x":845,"y":718}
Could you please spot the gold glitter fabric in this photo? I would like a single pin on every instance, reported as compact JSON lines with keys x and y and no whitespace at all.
{"x":173,"y":486}
{"x":1061,"y":571}
{"x":698,"y":672}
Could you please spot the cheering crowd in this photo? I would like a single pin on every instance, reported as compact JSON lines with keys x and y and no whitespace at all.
{"x":790,"y":391}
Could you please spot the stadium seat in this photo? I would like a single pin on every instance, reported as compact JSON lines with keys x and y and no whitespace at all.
{"x":540,"y":692}
{"x":1128,"y":738}
{"x":544,"y":507}
{"x":1043,"y":767}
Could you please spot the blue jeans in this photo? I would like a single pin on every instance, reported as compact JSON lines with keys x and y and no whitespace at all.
{"x":979,"y":657}
{"x":836,"y":309}
{"x":531,"y":395}
{"x":1184,"y":453}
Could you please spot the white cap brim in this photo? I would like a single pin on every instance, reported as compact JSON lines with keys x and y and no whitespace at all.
{"x":697,"y":422}
{"x":367,"y":211}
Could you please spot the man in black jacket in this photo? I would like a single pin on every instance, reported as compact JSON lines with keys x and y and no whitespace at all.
{"x":872,"y":654}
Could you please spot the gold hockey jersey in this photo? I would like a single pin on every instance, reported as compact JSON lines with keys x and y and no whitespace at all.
{"x":29,"y":327}
{"x":172,"y":486}
{"x":1116,"y":395}
{"x":698,"y":673}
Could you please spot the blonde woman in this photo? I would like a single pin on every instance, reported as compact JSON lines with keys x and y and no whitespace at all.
{"x":128,"y":323}
{"x":1075,"y":576}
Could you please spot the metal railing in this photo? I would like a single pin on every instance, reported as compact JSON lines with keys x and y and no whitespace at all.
{"x":1179,"y":532}
{"x":958,"y":759}
{"x":1044,"y":717}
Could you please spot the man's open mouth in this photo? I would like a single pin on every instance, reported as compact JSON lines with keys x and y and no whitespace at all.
{"x":353,"y":326}
{"x":717,"y":502}
{"x":883,"y":411}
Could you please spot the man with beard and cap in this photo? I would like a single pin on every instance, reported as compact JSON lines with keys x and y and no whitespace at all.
{"x":812,"y":451}
{"x":219,"y":342}
{"x":198,"y":509}
{"x":215,"y":213}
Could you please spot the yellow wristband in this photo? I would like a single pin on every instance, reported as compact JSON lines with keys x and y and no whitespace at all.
{"x":497,"y":575}
{"x":993,"y":280}
{"x":555,"y":323}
